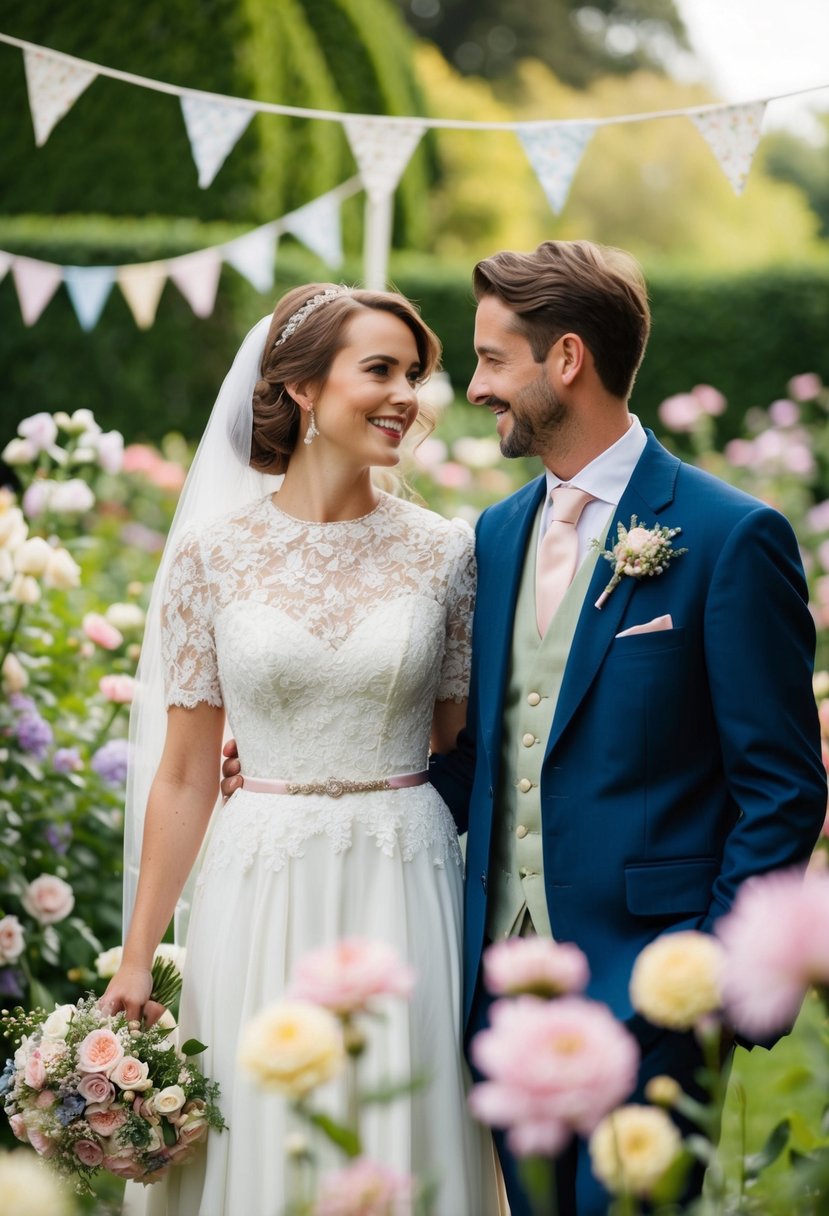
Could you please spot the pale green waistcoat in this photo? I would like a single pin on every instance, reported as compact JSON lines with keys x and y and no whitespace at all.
{"x":516,"y":873}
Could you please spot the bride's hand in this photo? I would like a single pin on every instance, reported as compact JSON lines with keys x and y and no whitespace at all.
{"x":129,"y":989}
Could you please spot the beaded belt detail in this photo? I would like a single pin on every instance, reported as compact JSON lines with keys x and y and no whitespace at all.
{"x":333,"y":787}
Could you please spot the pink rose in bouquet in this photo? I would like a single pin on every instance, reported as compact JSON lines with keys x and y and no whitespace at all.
{"x":66,"y":1096}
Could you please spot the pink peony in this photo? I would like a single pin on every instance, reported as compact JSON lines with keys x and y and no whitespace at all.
{"x":40,"y":430}
{"x":784,"y":412}
{"x":35,"y":1071}
{"x":118,"y":689}
{"x":776,"y":939}
{"x":96,"y":1088}
{"x":106,"y":1122}
{"x":364,"y":1188}
{"x":43,"y":1145}
{"x":535,"y":965}
{"x":88,"y":1152}
{"x":12,"y":941}
{"x":124,"y":1167}
{"x":48,"y":899}
{"x":710,"y":399}
{"x":100,"y":1051}
{"x":344,"y":977}
{"x":98,"y":629}
{"x":805,"y":387}
{"x":554,"y":1068}
{"x":681,"y":412}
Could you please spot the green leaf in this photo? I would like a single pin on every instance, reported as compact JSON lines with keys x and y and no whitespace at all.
{"x":344,"y":1137}
{"x":193,"y":1048}
{"x":389,"y":1090}
{"x":778,"y":1138}
{"x":40,"y":995}
{"x":168,"y":1132}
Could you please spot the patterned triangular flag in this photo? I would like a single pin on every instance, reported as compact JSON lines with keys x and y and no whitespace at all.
{"x":253,"y":255}
{"x":382,"y":149}
{"x":36,"y":283}
{"x":317,"y":225}
{"x":554,"y":151}
{"x":733,"y":134}
{"x":196,"y":275}
{"x":213,"y":128}
{"x":88,"y":288}
{"x":6,"y":260}
{"x":54,"y":86}
{"x":142,"y":285}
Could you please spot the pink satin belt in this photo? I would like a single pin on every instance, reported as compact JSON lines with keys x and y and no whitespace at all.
{"x":333,"y":787}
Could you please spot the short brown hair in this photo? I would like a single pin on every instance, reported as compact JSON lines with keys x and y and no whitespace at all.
{"x":308,"y":354}
{"x":577,"y":287}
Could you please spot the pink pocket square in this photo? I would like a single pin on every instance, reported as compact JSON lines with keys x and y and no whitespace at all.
{"x":658,"y":622}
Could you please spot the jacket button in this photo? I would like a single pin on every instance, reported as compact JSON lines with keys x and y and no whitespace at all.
{"x":520,"y":831}
{"x":534,"y":699}
{"x":525,"y":785}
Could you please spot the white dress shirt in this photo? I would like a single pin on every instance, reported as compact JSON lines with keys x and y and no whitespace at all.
{"x":606,"y":478}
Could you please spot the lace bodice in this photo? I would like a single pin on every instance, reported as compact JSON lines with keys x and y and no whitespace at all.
{"x":328,"y":644}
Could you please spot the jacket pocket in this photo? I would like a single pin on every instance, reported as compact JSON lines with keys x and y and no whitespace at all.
{"x":668,"y":888}
{"x":656,"y":641}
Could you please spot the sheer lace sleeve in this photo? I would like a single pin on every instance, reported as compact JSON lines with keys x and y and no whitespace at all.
{"x":460,"y":600}
{"x":188,"y":648}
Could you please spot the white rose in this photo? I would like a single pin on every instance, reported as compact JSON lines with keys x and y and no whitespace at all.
{"x":14,"y":675}
{"x":33,"y":556}
{"x":24,"y":589}
{"x":22,"y":1053}
{"x":107,"y":963}
{"x":6,"y":566}
{"x":19,"y":451}
{"x":62,"y":420}
{"x":36,"y":497}
{"x":71,"y":497}
{"x":56,"y":1025}
{"x":27,"y":1189}
{"x":110,"y":445}
{"x":633,"y":1148}
{"x":125,"y":616}
{"x":174,"y":954}
{"x":63,"y":571}
{"x":168,"y":1101}
{"x":12,"y":941}
{"x":83,"y":455}
{"x":292,"y":1046}
{"x":83,"y":422}
{"x":13,"y":528}
{"x":40,"y":430}
{"x":48,"y":899}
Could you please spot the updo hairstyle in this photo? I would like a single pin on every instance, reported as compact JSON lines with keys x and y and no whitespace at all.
{"x":307,"y":355}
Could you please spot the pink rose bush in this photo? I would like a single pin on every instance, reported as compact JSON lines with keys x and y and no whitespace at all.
{"x":100,"y":1096}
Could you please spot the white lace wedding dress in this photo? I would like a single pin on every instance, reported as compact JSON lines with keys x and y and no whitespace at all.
{"x":328,"y":645}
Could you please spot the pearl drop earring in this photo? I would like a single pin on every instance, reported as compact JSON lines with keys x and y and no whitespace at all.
{"x":312,"y":432}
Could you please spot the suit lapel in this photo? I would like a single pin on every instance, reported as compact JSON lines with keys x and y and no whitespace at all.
{"x":649,"y":491}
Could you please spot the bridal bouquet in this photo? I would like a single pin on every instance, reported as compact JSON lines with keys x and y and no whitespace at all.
{"x":90,"y":1091}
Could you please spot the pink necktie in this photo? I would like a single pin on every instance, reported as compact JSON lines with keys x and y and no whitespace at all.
{"x":558,"y":553}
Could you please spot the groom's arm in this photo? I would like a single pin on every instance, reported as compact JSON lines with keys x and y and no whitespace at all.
{"x":760,"y":645}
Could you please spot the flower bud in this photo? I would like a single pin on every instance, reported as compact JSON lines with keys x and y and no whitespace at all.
{"x":663,"y":1091}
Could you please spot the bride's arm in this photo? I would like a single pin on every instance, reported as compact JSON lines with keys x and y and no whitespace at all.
{"x":448,"y":721}
{"x":181,"y":799}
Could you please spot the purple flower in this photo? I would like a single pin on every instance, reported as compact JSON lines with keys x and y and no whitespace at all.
{"x":67,"y":760}
{"x":22,"y":703}
{"x":58,"y":836}
{"x":34,"y":734}
{"x":110,"y":762}
{"x":11,"y":983}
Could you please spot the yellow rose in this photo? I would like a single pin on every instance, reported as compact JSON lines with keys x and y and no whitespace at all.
{"x":292,"y":1047}
{"x":676,"y":979}
{"x":633,"y":1148}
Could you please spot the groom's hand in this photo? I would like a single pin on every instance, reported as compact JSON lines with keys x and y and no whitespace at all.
{"x":230,"y":769}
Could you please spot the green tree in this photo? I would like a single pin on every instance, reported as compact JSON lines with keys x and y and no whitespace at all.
{"x":578,"y":41}
{"x":806,"y":164}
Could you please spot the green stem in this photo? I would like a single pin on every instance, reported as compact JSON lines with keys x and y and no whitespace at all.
{"x":18,"y":616}
{"x":352,"y":1097}
{"x":105,"y":729}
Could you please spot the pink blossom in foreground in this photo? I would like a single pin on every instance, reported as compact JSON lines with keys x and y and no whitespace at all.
{"x":776,"y":939}
{"x":553,"y":1068}
{"x":784,"y":412}
{"x":537,"y":966}
{"x":365,"y":1188}
{"x":98,"y":629}
{"x":710,"y":399}
{"x":680,"y":412}
{"x":805,"y":387}
{"x":118,"y":689}
{"x":346,"y":976}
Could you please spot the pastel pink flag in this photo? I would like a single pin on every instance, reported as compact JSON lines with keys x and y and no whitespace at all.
{"x":36,"y":283}
{"x":196,"y":275}
{"x":733,"y":134}
{"x":54,"y":85}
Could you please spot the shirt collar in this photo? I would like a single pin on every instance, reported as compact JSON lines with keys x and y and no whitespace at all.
{"x":607,"y":476}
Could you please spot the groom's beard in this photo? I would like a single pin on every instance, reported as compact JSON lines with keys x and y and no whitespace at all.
{"x":538,"y":417}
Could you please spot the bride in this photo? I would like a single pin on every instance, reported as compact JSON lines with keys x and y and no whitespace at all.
{"x":330,"y":622}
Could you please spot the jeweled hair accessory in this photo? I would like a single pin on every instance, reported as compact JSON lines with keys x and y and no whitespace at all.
{"x":295,"y":320}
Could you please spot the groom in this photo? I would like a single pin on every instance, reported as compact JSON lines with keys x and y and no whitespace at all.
{"x":624,"y":768}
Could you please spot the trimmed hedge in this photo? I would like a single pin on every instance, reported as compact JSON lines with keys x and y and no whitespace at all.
{"x":747,"y":334}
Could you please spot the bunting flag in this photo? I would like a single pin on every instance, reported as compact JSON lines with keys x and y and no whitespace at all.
{"x":196,"y":275}
{"x":88,"y":288}
{"x":142,"y":285}
{"x":382,"y":150}
{"x":5,"y":262}
{"x":213,"y":128}
{"x":554,"y":151}
{"x":54,"y":85}
{"x":36,"y":283}
{"x":317,"y":225}
{"x":254,"y":256}
{"x":733,"y":134}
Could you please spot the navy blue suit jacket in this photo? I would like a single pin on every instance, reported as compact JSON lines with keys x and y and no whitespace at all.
{"x":679,"y":762}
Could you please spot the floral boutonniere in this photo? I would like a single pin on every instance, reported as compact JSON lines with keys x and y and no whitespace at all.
{"x":639,"y":552}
